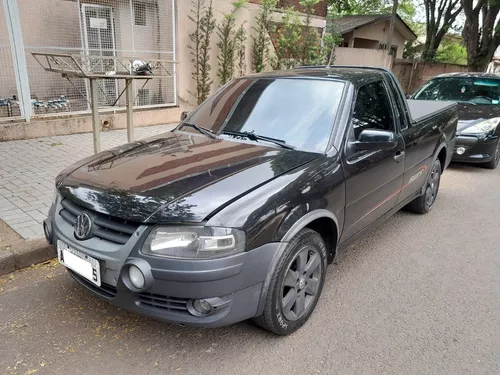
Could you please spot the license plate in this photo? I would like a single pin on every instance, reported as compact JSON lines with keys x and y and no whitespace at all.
{"x":79,"y":262}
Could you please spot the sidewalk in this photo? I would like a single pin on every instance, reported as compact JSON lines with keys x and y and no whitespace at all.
{"x":28,"y":169}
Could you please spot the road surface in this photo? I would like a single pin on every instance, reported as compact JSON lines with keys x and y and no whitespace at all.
{"x":419,"y":295}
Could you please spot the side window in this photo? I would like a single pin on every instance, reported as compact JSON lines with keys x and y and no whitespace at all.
{"x":372,"y":109}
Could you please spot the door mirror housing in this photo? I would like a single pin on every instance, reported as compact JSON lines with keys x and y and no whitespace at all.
{"x":184,"y":114}
{"x":374,"y":139}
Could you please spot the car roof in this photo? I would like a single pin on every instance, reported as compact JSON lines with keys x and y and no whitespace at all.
{"x":354,"y":74}
{"x":469,"y":75}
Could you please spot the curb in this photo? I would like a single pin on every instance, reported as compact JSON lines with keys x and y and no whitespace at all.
{"x":24,"y":254}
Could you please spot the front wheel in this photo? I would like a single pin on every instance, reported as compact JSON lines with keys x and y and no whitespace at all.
{"x":424,"y":203}
{"x":493,"y":163}
{"x":296,"y":285}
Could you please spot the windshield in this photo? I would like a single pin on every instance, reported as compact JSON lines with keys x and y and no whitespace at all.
{"x":299,"y":112}
{"x":474,"y":90}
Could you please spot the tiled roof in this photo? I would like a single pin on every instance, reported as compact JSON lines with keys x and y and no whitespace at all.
{"x":345,"y":24}
{"x":349,"y":23}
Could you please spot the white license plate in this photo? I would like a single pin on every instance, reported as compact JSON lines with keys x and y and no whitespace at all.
{"x":80,"y":263}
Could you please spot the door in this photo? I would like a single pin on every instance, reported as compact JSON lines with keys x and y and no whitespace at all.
{"x":99,"y":34}
{"x":373,"y":178}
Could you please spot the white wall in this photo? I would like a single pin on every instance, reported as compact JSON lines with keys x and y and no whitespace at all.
{"x":362,"y":56}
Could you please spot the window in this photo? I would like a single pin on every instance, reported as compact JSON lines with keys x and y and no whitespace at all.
{"x":474,"y":90}
{"x":140,"y":13}
{"x":300,"y":112}
{"x":372,"y":109}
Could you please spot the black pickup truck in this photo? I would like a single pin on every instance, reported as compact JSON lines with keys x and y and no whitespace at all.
{"x":236,"y":213}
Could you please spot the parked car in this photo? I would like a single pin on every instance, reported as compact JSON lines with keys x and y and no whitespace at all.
{"x":236,"y":213}
{"x":478,"y":97}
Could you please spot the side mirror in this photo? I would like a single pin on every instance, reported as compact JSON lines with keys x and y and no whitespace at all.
{"x":184,"y":114}
{"x":373,"y":139}
{"x":408,"y":96}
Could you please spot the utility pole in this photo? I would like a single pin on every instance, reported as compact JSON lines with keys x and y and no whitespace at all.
{"x":391,"y":25}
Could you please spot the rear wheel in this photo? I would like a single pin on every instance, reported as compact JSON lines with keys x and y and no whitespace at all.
{"x":493,"y":163}
{"x":296,"y":285}
{"x":424,"y":203}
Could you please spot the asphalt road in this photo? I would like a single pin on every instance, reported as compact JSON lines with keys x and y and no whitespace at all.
{"x":419,"y":295}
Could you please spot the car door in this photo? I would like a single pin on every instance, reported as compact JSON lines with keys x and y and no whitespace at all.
{"x":373,"y":178}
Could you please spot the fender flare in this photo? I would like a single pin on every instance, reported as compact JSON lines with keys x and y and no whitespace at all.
{"x":441,"y":146}
{"x":309,"y":218}
{"x":295,"y":228}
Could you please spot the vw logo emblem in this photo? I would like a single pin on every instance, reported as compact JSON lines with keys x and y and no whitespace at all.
{"x":83,"y":227}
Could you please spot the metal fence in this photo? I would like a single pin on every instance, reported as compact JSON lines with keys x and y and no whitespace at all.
{"x":114,"y":28}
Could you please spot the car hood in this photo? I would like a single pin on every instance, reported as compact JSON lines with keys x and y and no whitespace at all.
{"x":470,"y":115}
{"x":174,"y":178}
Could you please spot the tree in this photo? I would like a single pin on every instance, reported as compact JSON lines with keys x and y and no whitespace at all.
{"x":452,"y":52}
{"x":203,"y":19}
{"x":241,"y":50}
{"x":261,"y":39}
{"x":406,"y":8}
{"x":207,"y":26}
{"x":440,"y":16}
{"x":227,"y":43}
{"x":310,"y":46}
{"x":288,"y":42}
{"x":481,"y":32}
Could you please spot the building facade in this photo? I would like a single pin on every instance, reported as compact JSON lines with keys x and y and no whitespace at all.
{"x":30,"y":97}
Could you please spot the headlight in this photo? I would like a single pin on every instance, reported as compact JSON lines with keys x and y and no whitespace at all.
{"x":194,"y":242}
{"x":483,"y":127}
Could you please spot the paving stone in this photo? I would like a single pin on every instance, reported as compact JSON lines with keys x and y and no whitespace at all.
{"x":28,"y":169}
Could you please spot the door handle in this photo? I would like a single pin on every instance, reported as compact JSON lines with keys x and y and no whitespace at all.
{"x":399,"y":156}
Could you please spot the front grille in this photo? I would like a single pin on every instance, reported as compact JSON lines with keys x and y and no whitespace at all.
{"x":163,"y":302}
{"x":105,"y":290}
{"x":104,"y":226}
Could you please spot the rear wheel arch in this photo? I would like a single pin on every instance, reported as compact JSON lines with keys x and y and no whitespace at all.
{"x":442,"y":155}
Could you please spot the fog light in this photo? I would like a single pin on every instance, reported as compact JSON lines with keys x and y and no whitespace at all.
{"x":460,"y":150}
{"x":136,"y":277}
{"x":202,"y":306}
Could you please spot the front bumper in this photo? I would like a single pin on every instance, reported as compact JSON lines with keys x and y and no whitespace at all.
{"x":234,"y":285}
{"x":477,"y":149}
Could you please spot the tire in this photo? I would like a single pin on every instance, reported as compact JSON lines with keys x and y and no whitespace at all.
{"x":296,"y":285}
{"x":424,"y":203}
{"x":493,"y":163}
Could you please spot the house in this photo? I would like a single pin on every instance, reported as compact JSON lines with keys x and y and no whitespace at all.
{"x":36,"y":103}
{"x":371,"y":32}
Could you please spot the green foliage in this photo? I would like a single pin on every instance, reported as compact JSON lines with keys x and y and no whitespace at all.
{"x":406,"y":8}
{"x":241,"y":50}
{"x":261,"y":38}
{"x":195,"y":39}
{"x":288,"y":43}
{"x":310,"y":52}
{"x":203,"y":19}
{"x":227,"y":44}
{"x":330,"y":41}
{"x":207,"y":27}
{"x":452,"y":52}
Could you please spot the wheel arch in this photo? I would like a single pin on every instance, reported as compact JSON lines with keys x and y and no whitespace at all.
{"x":324,"y":222}
{"x":319,"y":220}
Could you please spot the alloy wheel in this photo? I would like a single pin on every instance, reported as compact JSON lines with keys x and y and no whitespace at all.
{"x":433,"y":185}
{"x":301,"y":283}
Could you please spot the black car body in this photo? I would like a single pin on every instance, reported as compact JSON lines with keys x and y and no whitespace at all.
{"x":478,"y":97}
{"x":213,"y":223}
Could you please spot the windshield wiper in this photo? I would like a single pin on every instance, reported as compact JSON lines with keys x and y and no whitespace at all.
{"x":200,"y":129}
{"x":255,"y":137}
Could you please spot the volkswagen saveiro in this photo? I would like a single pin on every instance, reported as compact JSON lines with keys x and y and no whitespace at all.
{"x":236,"y":213}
